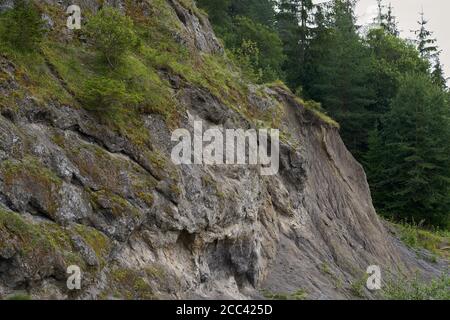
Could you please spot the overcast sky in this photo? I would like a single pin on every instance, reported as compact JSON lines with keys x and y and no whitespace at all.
{"x":407,"y":12}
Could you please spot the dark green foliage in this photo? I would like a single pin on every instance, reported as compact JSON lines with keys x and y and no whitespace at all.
{"x":259,"y":11}
{"x":340,"y":78}
{"x":22,"y":27}
{"x":247,"y":30}
{"x":105,"y":94}
{"x":218,"y":13}
{"x":386,"y":19}
{"x":437,"y":75}
{"x":222,"y":12}
{"x":391,"y":24}
{"x":258,"y":47}
{"x":429,"y":51}
{"x":426,"y":44}
{"x":111,"y":33}
{"x":391,"y":58}
{"x":408,"y":161}
{"x":294,"y":18}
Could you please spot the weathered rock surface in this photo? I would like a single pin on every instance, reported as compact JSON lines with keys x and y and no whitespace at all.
{"x":73,"y":191}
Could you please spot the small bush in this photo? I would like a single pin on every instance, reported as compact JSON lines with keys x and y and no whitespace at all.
{"x":257,"y":47}
{"x":358,"y":287}
{"x":111,"y":33}
{"x":416,"y":237}
{"x":22,"y":27}
{"x":416,"y":289}
{"x":247,"y":57}
{"x":104,"y":94}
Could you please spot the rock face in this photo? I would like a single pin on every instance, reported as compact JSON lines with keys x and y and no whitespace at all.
{"x":73,"y":191}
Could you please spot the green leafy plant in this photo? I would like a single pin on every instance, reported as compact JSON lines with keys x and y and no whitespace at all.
{"x":22,"y":27}
{"x":111,"y":33}
{"x":247,"y":57}
{"x":104,"y":94}
{"x":358,"y":287}
{"x":417,"y":289}
{"x":417,"y":237}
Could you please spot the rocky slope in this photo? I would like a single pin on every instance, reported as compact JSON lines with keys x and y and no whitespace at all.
{"x":79,"y":188}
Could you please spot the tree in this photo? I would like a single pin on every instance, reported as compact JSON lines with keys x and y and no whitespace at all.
{"x":217,"y":12}
{"x":22,"y":27}
{"x":111,"y":33}
{"x":339,"y":79}
{"x":259,"y":11}
{"x":386,"y":19}
{"x":380,"y":19}
{"x":294,"y":21}
{"x":425,"y":43}
{"x":409,"y":160}
{"x":288,"y":30}
{"x":430,"y":52}
{"x":392,"y":58}
{"x":304,"y":11}
{"x":247,"y":28}
{"x":259,"y":46}
{"x":437,"y":75}
{"x":391,"y":22}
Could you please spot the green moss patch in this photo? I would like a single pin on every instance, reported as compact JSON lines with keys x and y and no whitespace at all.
{"x":130,"y":284}
{"x":29,"y":176}
{"x":39,"y":245}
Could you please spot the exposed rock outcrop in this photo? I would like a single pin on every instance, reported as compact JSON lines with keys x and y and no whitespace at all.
{"x":75,"y":191}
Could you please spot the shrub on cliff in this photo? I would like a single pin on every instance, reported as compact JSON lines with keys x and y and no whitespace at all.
{"x":111,"y":33}
{"x":22,"y":27}
{"x":104,"y":94}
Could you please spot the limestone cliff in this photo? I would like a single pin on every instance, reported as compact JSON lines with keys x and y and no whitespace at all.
{"x":99,"y":191}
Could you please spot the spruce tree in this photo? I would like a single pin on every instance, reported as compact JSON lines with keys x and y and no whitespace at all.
{"x":288,"y":27}
{"x":380,"y":19}
{"x":22,"y":27}
{"x":260,"y":11}
{"x":409,"y":159}
{"x":217,"y":12}
{"x":304,"y":10}
{"x":318,"y":51}
{"x":294,"y":21}
{"x":386,"y":19}
{"x":426,"y":44}
{"x":437,"y":74}
{"x":340,"y":78}
{"x":391,"y":22}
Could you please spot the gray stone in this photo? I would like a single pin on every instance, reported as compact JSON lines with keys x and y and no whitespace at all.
{"x":86,"y":251}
